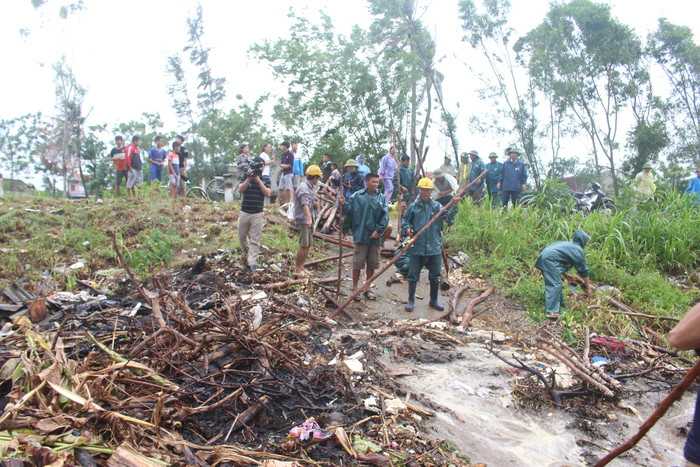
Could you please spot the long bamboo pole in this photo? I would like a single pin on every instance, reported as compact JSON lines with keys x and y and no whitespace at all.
{"x":663,"y":406}
{"x":409,"y":243}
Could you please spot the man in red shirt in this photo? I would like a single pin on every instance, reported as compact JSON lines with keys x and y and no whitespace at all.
{"x":117,"y":155}
{"x":134,"y":166}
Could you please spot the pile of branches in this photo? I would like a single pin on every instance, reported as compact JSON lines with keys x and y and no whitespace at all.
{"x":208,"y":381}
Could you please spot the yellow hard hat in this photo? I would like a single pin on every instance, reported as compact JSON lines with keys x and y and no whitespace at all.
{"x":426,"y":183}
{"x":313,"y":170}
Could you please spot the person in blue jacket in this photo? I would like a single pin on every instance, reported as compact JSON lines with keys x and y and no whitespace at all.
{"x":361,"y":166}
{"x":493,"y":177}
{"x":555,"y":260}
{"x":353,"y":180}
{"x":426,"y":250}
{"x":693,"y":189}
{"x":368,"y":216}
{"x":513,"y":178}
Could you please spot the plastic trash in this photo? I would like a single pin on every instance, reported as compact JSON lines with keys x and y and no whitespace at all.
{"x":309,"y":431}
{"x":257,"y":316}
{"x":611,"y":343}
{"x":600,"y":361}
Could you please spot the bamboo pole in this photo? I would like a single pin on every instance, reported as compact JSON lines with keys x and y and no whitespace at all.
{"x":408,"y":245}
{"x":663,"y":406}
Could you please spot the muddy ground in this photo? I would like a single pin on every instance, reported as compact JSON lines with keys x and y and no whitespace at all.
{"x":472,"y":390}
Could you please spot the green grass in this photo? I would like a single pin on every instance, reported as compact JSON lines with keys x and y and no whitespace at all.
{"x":635,"y":251}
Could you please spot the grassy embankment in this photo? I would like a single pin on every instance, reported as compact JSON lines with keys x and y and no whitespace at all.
{"x":650,"y":254}
{"x":40,"y":238}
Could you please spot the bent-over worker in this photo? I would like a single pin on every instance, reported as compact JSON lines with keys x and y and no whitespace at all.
{"x":555,"y":260}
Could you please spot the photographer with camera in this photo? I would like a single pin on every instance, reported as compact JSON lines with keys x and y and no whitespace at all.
{"x":250,"y":220}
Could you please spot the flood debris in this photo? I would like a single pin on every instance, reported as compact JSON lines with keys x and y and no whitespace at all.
{"x":203,"y":368}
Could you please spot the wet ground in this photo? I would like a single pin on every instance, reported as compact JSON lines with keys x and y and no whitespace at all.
{"x":474,"y":397}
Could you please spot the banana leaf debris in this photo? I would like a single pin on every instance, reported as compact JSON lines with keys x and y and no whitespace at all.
{"x":212,"y":369}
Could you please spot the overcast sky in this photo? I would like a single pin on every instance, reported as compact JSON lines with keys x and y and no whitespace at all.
{"x":118,"y":51}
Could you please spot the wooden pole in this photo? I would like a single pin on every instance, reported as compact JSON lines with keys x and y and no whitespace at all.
{"x":407,"y":246}
{"x":340,"y":247}
{"x":663,"y":406}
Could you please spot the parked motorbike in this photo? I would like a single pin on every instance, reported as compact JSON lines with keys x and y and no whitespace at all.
{"x":594,"y":199}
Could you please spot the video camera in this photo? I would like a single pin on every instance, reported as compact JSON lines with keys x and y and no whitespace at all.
{"x":256,"y":167}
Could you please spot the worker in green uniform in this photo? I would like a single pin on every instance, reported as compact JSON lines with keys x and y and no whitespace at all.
{"x":555,"y":260}
{"x":492,"y":179}
{"x":426,"y":250}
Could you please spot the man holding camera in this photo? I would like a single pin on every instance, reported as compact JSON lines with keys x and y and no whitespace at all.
{"x":250,"y":220}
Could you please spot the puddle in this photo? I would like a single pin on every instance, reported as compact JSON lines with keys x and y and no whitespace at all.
{"x":493,"y":430}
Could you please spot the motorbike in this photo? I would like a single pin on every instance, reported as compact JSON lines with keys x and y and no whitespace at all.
{"x":593,"y":199}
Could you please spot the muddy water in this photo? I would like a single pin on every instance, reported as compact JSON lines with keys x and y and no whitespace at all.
{"x":487,"y":426}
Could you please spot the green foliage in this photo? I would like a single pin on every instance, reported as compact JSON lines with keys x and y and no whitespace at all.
{"x":156,"y":249}
{"x":633,"y":250}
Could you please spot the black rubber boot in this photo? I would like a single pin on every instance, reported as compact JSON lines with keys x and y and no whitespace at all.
{"x":411,"y":296}
{"x":434,"y":287}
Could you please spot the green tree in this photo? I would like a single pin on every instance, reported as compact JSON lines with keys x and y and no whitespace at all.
{"x":676,"y":52}
{"x":589,"y":62}
{"x":18,"y":138}
{"x":506,"y":84}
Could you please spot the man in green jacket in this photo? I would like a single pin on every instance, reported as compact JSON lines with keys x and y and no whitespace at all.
{"x":492,"y":179}
{"x":555,"y":260}
{"x":426,"y":250}
{"x":368,"y":215}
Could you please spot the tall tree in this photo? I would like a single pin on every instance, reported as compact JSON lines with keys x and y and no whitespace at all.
{"x":589,"y":61}
{"x":335,"y":95}
{"x":676,"y":52}
{"x":506,"y":85}
{"x":59,"y":145}
{"x":18,"y":137}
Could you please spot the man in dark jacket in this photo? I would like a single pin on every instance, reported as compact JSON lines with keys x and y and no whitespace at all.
{"x":555,"y":260}
{"x":493,"y":177}
{"x":476,"y":168}
{"x":513,"y":178}
{"x":369,"y":216}
{"x":426,"y":250}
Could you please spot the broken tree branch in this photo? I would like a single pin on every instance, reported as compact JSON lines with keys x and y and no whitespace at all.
{"x":468,"y":314}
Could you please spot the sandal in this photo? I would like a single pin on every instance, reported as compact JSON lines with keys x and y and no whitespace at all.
{"x":370,"y":296}
{"x":357,"y":298}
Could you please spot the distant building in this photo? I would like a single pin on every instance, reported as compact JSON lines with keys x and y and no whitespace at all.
{"x":14,"y":185}
{"x":583,"y":181}
{"x":76,"y":189}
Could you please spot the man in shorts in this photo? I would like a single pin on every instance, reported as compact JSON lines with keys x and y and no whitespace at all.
{"x":368,"y":215}
{"x":286,"y":181}
{"x":134,"y":166}
{"x":304,"y":213}
{"x":156,"y":157}
{"x":184,"y":156}
{"x":117,"y":155}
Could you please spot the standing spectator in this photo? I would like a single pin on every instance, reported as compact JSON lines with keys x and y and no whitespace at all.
{"x":476,"y":168}
{"x":243,"y":160}
{"x":287,"y":165}
{"x":298,"y":166}
{"x":268,"y":159}
{"x":117,"y":155}
{"x":353,"y":180}
{"x":156,"y":157}
{"x":326,"y":168}
{"x":686,"y":336}
{"x":447,"y":166}
{"x":494,"y":167}
{"x":693,"y":189}
{"x":250,"y":220}
{"x":183,"y":156}
{"x":361,"y":167}
{"x":368,"y":215}
{"x":407,"y":180}
{"x":445,"y":187}
{"x":174,"y":170}
{"x":644,"y":181}
{"x":134,"y":166}
{"x":335,"y":180}
{"x":305,"y":205}
{"x":463,"y":177}
{"x":555,"y":260}
{"x":426,"y":250}
{"x":387,"y":167}
{"x":513,"y":178}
